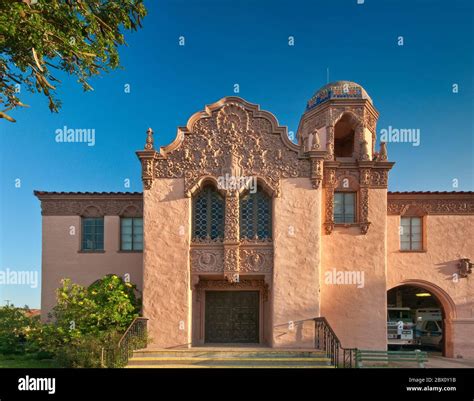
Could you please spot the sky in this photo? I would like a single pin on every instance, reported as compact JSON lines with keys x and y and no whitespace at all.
{"x":409,"y":55}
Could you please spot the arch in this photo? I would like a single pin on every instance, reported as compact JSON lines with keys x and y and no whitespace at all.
{"x":130,"y":211}
{"x":345,"y":130}
{"x":264,"y":185}
{"x":448,"y":308}
{"x":446,"y":301}
{"x":92,"y":210}
{"x":352,"y":117}
{"x":202,"y":182}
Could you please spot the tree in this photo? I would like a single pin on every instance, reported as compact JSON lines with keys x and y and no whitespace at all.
{"x":79,"y":37}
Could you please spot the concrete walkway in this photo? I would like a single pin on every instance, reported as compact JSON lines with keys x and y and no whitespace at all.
{"x":438,"y":361}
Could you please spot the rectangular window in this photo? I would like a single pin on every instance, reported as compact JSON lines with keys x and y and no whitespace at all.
{"x":344,"y":207}
{"x":411,"y":234}
{"x":92,"y":233}
{"x":131,"y":233}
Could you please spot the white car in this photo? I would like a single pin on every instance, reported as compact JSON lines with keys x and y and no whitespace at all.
{"x":430,"y":332}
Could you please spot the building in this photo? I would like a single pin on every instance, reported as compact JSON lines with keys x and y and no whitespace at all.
{"x":243,"y":236}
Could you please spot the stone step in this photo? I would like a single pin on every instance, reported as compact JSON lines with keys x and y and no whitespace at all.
{"x":235,"y":353}
{"x":227,"y":361}
{"x":228,"y":358}
{"x":229,"y":366}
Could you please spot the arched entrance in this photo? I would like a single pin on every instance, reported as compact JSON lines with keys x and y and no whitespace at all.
{"x":421,"y":299}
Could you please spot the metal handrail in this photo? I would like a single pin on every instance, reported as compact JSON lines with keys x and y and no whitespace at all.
{"x":327,"y":341}
{"x":135,"y":337}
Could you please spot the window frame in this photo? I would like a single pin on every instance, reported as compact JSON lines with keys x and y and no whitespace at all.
{"x":132,"y":234}
{"x":422,"y":234}
{"x":93,"y":250}
{"x":355,"y":206}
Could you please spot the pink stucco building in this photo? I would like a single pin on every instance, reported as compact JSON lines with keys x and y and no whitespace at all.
{"x":243,"y":236}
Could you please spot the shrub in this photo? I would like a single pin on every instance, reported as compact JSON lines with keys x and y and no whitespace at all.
{"x":14,"y":327}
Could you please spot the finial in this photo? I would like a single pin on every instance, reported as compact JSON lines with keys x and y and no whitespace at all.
{"x":149,"y":139}
{"x":383,"y":151}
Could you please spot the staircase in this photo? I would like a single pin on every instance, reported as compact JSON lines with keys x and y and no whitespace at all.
{"x":204,"y":357}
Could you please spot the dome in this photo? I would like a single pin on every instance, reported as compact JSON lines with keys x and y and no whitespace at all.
{"x":337,"y":90}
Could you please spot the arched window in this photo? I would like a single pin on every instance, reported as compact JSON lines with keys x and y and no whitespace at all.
{"x":208,"y":214}
{"x":255,"y":215}
{"x":344,"y":137}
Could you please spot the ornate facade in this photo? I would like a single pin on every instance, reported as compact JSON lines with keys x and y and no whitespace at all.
{"x":232,"y":206}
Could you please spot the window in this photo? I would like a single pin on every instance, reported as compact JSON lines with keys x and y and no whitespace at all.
{"x":255,"y":215}
{"x":92,"y":233}
{"x":411,"y":234}
{"x":344,"y":207}
{"x":208,"y":212}
{"x":131,"y":233}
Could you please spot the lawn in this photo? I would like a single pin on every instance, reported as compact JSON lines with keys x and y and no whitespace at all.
{"x":22,"y":361}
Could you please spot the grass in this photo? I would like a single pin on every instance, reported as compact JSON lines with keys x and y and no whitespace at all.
{"x":25,"y":361}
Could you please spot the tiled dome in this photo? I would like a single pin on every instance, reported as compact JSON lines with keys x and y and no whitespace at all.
{"x":338,"y":90}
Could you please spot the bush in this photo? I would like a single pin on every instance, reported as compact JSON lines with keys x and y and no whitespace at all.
{"x":84,"y":321}
{"x":14,"y":328}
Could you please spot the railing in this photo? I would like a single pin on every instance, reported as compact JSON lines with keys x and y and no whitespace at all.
{"x":327,"y":341}
{"x":135,"y":337}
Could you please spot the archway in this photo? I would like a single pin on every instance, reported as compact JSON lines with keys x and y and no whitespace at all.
{"x":421,"y":299}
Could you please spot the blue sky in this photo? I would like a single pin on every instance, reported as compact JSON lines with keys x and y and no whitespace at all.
{"x":245,"y":42}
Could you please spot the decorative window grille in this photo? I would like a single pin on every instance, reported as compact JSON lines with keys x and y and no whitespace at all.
{"x":255,"y":215}
{"x":208,"y":214}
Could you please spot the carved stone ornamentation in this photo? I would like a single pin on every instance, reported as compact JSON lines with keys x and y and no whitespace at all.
{"x":364,"y":210}
{"x":231,"y":226}
{"x":247,"y":284}
{"x":231,"y":264}
{"x":383,"y":152}
{"x":212,"y":140}
{"x":90,"y":205}
{"x":256,"y":260}
{"x":379,"y":178}
{"x":364,"y":150}
{"x":149,"y":139}
{"x":330,"y":143}
{"x":432,"y":206}
{"x":207,"y":260}
{"x":365,"y":176}
{"x":329,"y":213}
{"x":316,"y":172}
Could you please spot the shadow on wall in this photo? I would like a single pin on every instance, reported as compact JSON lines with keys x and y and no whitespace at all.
{"x":448,"y":269}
